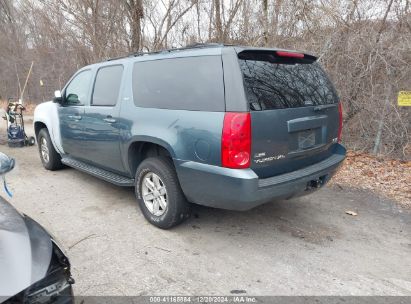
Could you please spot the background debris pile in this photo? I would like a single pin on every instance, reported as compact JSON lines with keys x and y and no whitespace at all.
{"x":389,"y":177}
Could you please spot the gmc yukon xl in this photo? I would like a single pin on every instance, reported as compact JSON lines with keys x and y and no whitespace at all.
{"x":223,"y":126}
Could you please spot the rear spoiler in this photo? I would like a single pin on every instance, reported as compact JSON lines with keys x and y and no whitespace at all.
{"x":276,"y":56}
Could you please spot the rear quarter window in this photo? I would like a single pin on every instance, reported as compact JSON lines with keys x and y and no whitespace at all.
{"x":279,"y":85}
{"x":191,"y":83}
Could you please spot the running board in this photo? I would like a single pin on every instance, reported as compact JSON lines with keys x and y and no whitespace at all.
{"x":98,"y":172}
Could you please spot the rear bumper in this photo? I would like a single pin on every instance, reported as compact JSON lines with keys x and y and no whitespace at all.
{"x":241,"y":189}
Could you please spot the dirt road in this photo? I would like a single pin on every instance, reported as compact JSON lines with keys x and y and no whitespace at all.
{"x":306,"y":246}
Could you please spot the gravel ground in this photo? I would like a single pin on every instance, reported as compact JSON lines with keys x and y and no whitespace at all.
{"x":305,"y":246}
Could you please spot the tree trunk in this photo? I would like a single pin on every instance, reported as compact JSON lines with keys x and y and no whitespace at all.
{"x":265,"y":21}
{"x":276,"y":17}
{"x":218,"y":23}
{"x":136,"y":13}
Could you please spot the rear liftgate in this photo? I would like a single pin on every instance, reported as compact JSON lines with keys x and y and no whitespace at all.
{"x":295,"y":112}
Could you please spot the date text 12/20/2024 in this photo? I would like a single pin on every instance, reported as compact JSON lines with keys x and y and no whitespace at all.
{"x":203,"y":299}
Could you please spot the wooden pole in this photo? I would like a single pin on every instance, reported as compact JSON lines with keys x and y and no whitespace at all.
{"x":25,"y":84}
{"x":18,"y":80}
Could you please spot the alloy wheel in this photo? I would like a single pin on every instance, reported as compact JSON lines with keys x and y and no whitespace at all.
{"x":154,"y":194}
{"x":44,"y":150}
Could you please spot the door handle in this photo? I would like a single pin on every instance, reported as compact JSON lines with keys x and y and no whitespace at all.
{"x":109,"y":120}
{"x":74,"y":117}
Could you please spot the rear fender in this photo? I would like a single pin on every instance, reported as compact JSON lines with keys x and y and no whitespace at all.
{"x":145,"y":139}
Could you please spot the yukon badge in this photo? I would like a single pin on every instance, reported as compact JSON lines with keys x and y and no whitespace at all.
{"x":262,"y":159}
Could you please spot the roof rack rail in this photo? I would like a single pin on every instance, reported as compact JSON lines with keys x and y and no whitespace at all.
{"x":116,"y":58}
{"x":134,"y":54}
{"x":199,"y":45}
{"x":188,"y":47}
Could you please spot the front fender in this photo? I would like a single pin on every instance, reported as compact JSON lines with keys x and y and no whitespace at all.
{"x":47,"y":113}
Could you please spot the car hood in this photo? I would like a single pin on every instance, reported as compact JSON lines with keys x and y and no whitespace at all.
{"x":25,"y":251}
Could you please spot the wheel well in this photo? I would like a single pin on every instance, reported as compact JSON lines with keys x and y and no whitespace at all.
{"x":138,"y":151}
{"x":38,"y":126}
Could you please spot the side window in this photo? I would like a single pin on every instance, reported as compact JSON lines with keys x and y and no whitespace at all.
{"x":107,"y":86}
{"x":77,"y":91}
{"x":191,"y":83}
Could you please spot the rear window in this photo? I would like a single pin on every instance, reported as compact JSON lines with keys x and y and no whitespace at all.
{"x":285,"y":85}
{"x":191,"y":83}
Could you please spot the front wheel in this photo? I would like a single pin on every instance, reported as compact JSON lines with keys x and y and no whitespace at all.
{"x":159,"y":193}
{"x":49,"y":157}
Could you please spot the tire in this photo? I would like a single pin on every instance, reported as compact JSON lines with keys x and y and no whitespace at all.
{"x":52,"y":161}
{"x":177,"y":209}
{"x":31,"y":141}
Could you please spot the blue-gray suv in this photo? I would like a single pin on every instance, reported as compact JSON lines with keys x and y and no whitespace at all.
{"x":223,"y":126}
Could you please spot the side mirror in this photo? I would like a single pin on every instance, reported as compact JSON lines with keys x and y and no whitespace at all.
{"x":57,"y":97}
{"x":72,"y":99}
{"x":6,"y":163}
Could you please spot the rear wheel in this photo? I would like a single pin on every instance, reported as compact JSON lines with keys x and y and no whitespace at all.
{"x":159,"y":193}
{"x":49,"y":157}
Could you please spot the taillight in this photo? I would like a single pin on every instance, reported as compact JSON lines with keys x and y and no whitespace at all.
{"x":236,"y":140}
{"x":340,"y":126}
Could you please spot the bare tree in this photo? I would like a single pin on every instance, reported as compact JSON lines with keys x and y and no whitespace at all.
{"x":135,"y":14}
{"x":218,"y":23}
{"x":365,"y":46}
